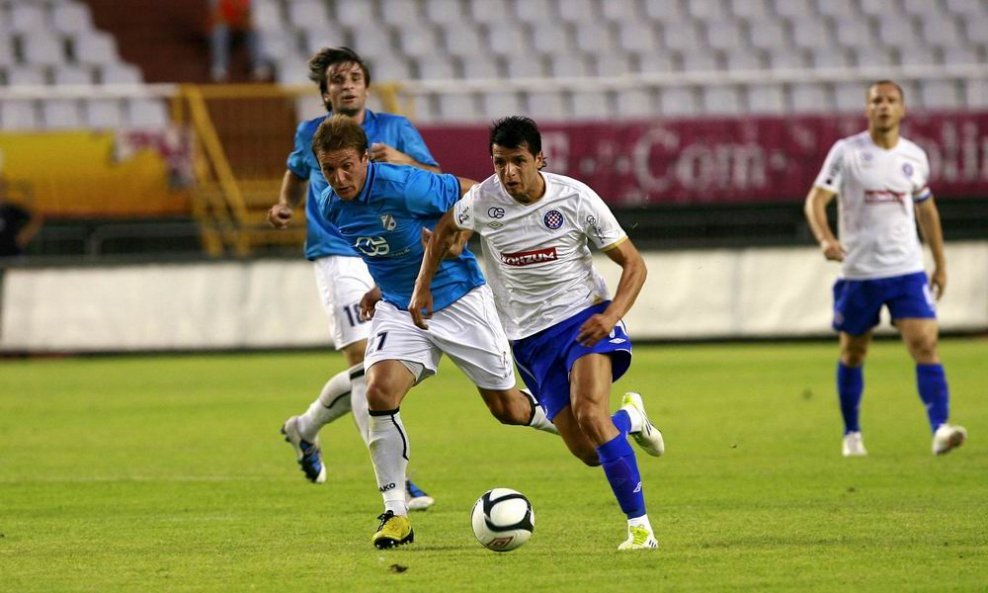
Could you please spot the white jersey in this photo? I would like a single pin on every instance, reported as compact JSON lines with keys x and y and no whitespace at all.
{"x":877,"y":191}
{"x":537,"y":259}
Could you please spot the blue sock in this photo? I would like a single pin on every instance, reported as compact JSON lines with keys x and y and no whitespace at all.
{"x":850,"y":385}
{"x":621,"y":469}
{"x":622,"y":421}
{"x":932,"y":384}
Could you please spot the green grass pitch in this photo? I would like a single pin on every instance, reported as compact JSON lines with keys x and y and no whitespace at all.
{"x":167,"y":473}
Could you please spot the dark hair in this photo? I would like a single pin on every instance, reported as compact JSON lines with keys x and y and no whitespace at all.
{"x":339,"y":132}
{"x":902,"y":94}
{"x":513,"y":131}
{"x":330,"y":56}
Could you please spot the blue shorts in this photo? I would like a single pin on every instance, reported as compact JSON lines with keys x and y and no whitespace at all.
{"x":857,"y":303}
{"x":546,"y":358}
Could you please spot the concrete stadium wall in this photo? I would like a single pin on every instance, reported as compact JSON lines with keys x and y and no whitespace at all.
{"x":748,"y":293}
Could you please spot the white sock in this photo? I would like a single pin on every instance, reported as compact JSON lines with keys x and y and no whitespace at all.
{"x":641,"y":522}
{"x":358,"y":404}
{"x":333,"y":402}
{"x":539,"y":420}
{"x":389,"y":451}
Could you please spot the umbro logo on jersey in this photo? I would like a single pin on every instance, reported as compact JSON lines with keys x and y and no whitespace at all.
{"x":388,"y":222}
{"x":527,"y":258}
{"x":617,"y":341}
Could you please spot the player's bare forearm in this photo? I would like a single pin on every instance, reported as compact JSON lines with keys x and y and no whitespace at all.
{"x":815,"y":210}
{"x":289,"y":197}
{"x":633,"y":274}
{"x":384,"y":153}
{"x":928,"y":217}
{"x":443,"y":236}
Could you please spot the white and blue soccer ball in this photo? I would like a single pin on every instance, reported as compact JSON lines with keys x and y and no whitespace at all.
{"x":503,"y":519}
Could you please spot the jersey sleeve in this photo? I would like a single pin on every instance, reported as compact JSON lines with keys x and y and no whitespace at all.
{"x":430,"y":194}
{"x":463,"y":210}
{"x":296,"y":160}
{"x":599,"y":223}
{"x":832,"y":172}
{"x":412,"y":144}
{"x":921,"y":191}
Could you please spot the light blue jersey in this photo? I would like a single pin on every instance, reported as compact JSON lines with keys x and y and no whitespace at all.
{"x":384,"y":225}
{"x":322,"y":239}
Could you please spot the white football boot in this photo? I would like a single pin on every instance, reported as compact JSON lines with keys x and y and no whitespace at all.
{"x":947,"y":438}
{"x":853,"y":445}
{"x":648,"y":436}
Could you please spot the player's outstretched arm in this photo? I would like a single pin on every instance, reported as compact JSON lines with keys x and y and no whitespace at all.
{"x":383,"y":153}
{"x":290,"y":196}
{"x":928,"y":217}
{"x":815,"y":210}
{"x":444,"y":236}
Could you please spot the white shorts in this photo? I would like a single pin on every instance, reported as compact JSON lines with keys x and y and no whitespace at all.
{"x":342,"y":281}
{"x":468,"y":331}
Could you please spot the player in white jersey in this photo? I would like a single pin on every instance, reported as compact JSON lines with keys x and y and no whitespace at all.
{"x":567,"y":336}
{"x":881,"y":180}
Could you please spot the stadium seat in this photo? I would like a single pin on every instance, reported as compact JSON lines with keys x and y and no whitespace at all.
{"x":610,"y":65}
{"x":102,"y":113}
{"x":721,"y":100}
{"x":896,"y":32}
{"x":94,"y":48}
{"x":354,"y":15}
{"x":941,"y":30}
{"x":683,"y":36}
{"x":437,"y":67}
{"x":725,"y":35}
{"x":637,"y":37}
{"x":524,"y":67}
{"x":663,"y":10}
{"x":462,"y":41}
{"x":849,"y":96}
{"x":6,"y":50}
{"x":390,"y":69}
{"x":547,"y":105}
{"x":783,"y":58}
{"x":750,"y":10}
{"x":678,"y":101}
{"x":742,"y":59}
{"x":595,"y":37}
{"x":304,"y":12}
{"x":790,"y":10}
{"x":534,"y":11}
{"x":419,"y":40}
{"x":657,"y":62}
{"x":28,"y":75}
{"x":60,"y":114}
{"x":398,"y":13}
{"x":456,"y":107}
{"x":18,"y":115}
{"x":614,"y":12}
{"x":829,"y":56}
{"x":507,"y":39}
{"x":120,"y":73}
{"x":768,"y":35}
{"x":71,"y":74}
{"x":576,"y":11}
{"x":568,"y":66}
{"x":812,"y":34}
{"x":69,"y":18}
{"x":548,"y":38}
{"x":445,"y":12}
{"x":853,"y":32}
{"x":634,"y":103}
{"x":706,"y":10}
{"x":918,"y":55}
{"x":26,"y":18}
{"x":480,"y":65}
{"x":590,"y":105}
{"x":967,"y":8}
{"x":266,"y":15}
{"x":873,"y":56}
{"x":766,"y":99}
{"x":699,"y":60}
{"x":145,"y":113}
{"x":500,"y":104}
{"x":976,"y":94}
{"x":42,"y":50}
{"x":836,"y":9}
{"x":316,"y":36}
{"x":375,"y":39}
{"x":811,"y":97}
{"x":940,"y":94}
{"x":490,"y":12}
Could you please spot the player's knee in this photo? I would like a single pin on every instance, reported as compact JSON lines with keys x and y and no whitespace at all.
{"x":853,"y":357}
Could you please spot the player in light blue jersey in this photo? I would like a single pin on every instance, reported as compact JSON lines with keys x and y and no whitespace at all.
{"x":383,"y":211}
{"x":341,"y":276}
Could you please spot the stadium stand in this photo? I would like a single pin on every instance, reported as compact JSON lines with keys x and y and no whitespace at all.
{"x":468,"y":61}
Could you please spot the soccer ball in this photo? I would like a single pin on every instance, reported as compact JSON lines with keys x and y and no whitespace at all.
{"x":503,"y":519}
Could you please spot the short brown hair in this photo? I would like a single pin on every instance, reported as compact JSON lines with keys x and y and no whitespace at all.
{"x":330,"y":56}
{"x":339,"y":132}
{"x":902,"y":94}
